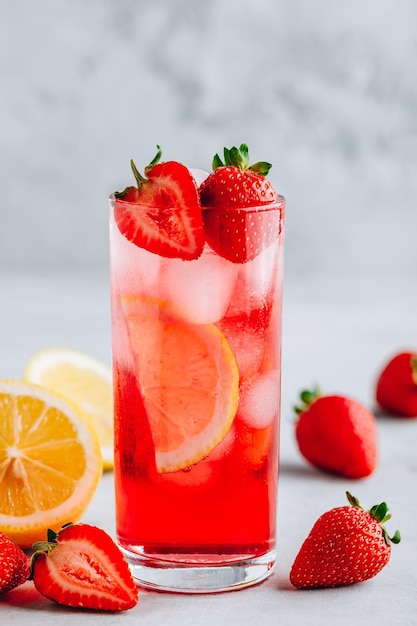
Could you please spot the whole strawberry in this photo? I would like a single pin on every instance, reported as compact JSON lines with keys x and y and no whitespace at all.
{"x":346,"y":545}
{"x":82,"y":567}
{"x":14,"y":565}
{"x":336,"y":434}
{"x":396,"y":386}
{"x":227,"y":195}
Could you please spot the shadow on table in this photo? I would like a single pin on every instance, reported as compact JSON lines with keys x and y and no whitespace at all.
{"x":294,"y":469}
{"x":26,"y":596}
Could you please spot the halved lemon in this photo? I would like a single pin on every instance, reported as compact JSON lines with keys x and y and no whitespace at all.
{"x":188,"y":378}
{"x":82,"y":379}
{"x":50,"y":462}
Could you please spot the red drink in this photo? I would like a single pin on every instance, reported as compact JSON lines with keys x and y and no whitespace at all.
{"x":196,"y":353}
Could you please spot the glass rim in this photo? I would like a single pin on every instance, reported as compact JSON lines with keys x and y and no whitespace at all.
{"x":279,"y":203}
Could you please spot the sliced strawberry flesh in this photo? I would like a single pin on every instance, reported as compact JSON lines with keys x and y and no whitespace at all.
{"x":164,"y":215}
{"x":85,"y":569}
{"x":164,"y":231}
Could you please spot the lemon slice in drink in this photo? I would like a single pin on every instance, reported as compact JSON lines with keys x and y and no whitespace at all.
{"x":188,"y":378}
{"x":82,"y":379}
{"x":50,"y":462}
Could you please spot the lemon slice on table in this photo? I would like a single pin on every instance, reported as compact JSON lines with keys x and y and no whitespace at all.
{"x":188,"y":378}
{"x":82,"y":379}
{"x":50,"y":462}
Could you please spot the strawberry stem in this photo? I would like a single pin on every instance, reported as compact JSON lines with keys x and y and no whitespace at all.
{"x":239,"y":157}
{"x":51,"y":535}
{"x":45,"y":547}
{"x":138,"y":176}
{"x":380,"y":513}
{"x":307,"y":398}
{"x":414,"y":368}
{"x":155,"y":160}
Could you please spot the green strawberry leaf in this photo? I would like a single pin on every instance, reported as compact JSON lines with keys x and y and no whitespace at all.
{"x":155,"y":160}
{"x":307,"y":398}
{"x":414,"y":368}
{"x":380,"y":513}
{"x":239,"y":157}
{"x":262,"y":167}
{"x":217,"y":162}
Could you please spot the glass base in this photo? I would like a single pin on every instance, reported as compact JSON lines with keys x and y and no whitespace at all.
{"x":180,"y":574}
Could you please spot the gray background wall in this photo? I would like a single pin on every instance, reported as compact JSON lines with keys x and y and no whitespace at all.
{"x":325,"y":90}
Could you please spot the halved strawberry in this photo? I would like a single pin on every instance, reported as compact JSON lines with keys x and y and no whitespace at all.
{"x":82,"y":567}
{"x":162,"y":214}
{"x":238,"y":221}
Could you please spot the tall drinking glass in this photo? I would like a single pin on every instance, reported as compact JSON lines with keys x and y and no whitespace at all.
{"x":197,"y":368}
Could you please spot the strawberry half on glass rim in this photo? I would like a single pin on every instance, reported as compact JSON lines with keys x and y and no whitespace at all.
{"x":163,"y":213}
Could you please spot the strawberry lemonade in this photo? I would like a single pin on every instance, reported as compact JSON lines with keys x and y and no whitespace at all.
{"x":196,"y":276}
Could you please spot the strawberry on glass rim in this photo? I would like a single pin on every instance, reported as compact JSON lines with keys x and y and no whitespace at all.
{"x":235,"y":198}
{"x":162,"y":214}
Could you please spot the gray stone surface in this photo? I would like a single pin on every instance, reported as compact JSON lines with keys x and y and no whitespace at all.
{"x":336,"y":333}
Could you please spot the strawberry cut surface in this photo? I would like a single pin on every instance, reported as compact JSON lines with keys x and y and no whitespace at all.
{"x":163,"y":215}
{"x":83,"y":568}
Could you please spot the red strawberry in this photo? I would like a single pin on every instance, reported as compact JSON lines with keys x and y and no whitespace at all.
{"x":82,"y":567}
{"x":227,"y":195}
{"x":396,"y":387}
{"x":346,"y":545}
{"x":14,"y":565}
{"x":162,"y":214}
{"x":337,"y":434}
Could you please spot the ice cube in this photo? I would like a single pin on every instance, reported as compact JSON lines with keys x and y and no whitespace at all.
{"x":259,"y":400}
{"x":254,"y":282}
{"x":201,"y":288}
{"x":258,"y":273}
{"x":135,"y":271}
{"x":246,"y":344}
